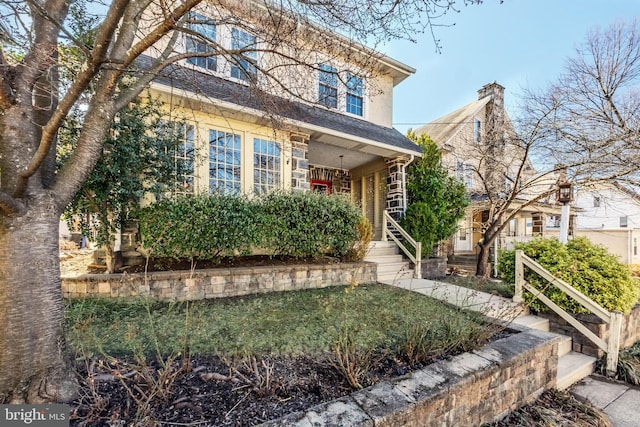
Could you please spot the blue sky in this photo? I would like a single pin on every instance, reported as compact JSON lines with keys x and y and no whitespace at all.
{"x":519,"y":43}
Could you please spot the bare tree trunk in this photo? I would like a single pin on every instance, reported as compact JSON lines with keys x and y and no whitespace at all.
{"x":33,"y":366}
{"x":112,"y":258}
{"x":482,"y":268}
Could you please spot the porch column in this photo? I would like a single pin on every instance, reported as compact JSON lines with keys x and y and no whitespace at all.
{"x":299,"y":162}
{"x":395,"y":187}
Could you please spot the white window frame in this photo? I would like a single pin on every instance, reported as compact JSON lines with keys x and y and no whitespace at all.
{"x":267,"y":165}
{"x":251,"y":57}
{"x":342,"y":89}
{"x":229,"y":186}
{"x":193,"y":61}
{"x":477,"y":131}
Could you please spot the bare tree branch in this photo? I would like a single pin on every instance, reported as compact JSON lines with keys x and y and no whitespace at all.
{"x":10,"y":206}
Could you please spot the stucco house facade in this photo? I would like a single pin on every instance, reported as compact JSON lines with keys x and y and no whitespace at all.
{"x":463,"y":136}
{"x":245,"y":134}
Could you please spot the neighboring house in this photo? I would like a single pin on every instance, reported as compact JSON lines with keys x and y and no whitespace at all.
{"x":242,"y":140}
{"x":464,"y":137}
{"x":609,"y":214}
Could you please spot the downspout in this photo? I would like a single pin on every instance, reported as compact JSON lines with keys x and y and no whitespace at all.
{"x":629,"y":249}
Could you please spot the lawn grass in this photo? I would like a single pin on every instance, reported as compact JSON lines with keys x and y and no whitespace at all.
{"x":297,"y":322}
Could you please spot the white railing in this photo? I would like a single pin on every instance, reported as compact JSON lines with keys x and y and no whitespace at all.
{"x":614,"y":318}
{"x":417,"y":246}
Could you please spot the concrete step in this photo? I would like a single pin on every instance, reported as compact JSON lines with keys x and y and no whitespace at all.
{"x":572,"y":367}
{"x":374,"y":252}
{"x":565,"y":346}
{"x":534,"y":322}
{"x":385,"y":259}
{"x":381,"y":244}
{"x":389,"y":267}
{"x":391,"y":278}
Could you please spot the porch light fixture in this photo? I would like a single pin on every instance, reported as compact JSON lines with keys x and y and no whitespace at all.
{"x":342,"y":174}
{"x":565,"y":192}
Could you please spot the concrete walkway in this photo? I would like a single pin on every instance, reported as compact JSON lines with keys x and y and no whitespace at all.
{"x":619,"y":401}
{"x":487,"y":304}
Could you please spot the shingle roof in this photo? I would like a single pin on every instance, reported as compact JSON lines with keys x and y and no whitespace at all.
{"x":214,"y":89}
{"x":443,"y":129}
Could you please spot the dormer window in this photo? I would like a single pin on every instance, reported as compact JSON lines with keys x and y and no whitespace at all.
{"x":354,"y":94}
{"x":328,"y":86}
{"x":204,"y":26}
{"x":243,"y":66}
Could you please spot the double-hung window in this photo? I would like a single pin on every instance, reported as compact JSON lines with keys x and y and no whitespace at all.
{"x":202,"y":25}
{"x":477,"y":131}
{"x":266,"y":165}
{"x":183,"y":156}
{"x":328,"y":86}
{"x":464,"y":172}
{"x":243,"y":63}
{"x":354,"y":94}
{"x":224,"y":162}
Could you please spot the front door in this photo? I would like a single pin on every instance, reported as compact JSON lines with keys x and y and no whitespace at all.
{"x":371,"y":192}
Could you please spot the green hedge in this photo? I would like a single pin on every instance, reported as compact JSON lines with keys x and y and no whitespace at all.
{"x":587,"y":267}
{"x":309,"y":224}
{"x":204,"y":227}
{"x":301,"y":225}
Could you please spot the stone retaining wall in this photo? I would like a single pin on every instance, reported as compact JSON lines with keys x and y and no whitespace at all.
{"x":467,"y":390}
{"x":630,"y":331}
{"x":219,"y":282}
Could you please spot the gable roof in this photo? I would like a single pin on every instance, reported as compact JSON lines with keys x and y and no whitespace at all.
{"x":443,"y":129}
{"x":215,"y":90}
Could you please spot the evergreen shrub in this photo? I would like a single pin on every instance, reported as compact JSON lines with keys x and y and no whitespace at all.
{"x":203,"y":226}
{"x":309,"y":224}
{"x":587,"y":267}
{"x":299,"y":225}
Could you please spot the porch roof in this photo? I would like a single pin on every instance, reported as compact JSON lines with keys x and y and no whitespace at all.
{"x":325,"y":125}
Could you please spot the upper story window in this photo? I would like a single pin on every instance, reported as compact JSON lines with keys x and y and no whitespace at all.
{"x":224,"y":162}
{"x":596,"y":201}
{"x":624,"y":222}
{"x":328,"y":86}
{"x":354,"y":94}
{"x":477,"y":131}
{"x":207,"y":29}
{"x":243,"y":64}
{"x":266,"y":165}
{"x":464,"y":172}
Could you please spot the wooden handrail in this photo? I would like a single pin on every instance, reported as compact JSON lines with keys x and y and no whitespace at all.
{"x":386,"y":233}
{"x":614,"y":318}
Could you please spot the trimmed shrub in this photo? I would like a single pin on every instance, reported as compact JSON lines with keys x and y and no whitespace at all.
{"x":589,"y":268}
{"x":205,"y":227}
{"x":309,"y":224}
{"x":300,"y":225}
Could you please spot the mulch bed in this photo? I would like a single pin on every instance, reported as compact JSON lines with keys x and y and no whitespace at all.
{"x":204,"y":391}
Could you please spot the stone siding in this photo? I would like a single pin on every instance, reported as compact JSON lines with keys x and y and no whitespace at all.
{"x":468,"y":390}
{"x":300,"y":166}
{"x":395,"y":193}
{"x":217,"y":283}
{"x":630,"y":331}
